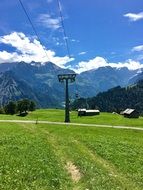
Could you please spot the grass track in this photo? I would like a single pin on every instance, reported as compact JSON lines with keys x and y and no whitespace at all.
{"x":34,"y":157}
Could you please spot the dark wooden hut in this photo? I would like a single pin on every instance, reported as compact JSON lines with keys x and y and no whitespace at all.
{"x":130,"y":113}
{"x":84,"y":112}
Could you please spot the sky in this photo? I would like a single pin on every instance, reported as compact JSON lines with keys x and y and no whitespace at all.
{"x":98,"y":33}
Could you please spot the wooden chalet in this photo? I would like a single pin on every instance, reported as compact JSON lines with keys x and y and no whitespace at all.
{"x":84,"y":112}
{"x":130,"y":113}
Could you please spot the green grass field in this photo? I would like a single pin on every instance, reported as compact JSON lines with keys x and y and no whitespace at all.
{"x":58,"y":115}
{"x":54,"y":157}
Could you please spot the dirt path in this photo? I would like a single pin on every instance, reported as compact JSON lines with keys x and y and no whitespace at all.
{"x":74,"y":171}
{"x":72,"y":124}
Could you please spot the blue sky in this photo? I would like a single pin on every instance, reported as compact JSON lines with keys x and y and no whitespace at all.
{"x":99,"y":33}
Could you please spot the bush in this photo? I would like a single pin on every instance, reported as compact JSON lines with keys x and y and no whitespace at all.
{"x":10,"y":108}
{"x":2,"y":110}
{"x":32,"y":106}
{"x":25,"y":105}
{"x":21,"y":106}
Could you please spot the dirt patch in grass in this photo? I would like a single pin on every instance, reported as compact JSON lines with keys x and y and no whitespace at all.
{"x":74,"y":171}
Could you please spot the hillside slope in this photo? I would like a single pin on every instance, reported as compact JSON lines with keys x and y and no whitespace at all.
{"x":37,"y":83}
{"x":115,"y":99}
{"x":40,"y":82}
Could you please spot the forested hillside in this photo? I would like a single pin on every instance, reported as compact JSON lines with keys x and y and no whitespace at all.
{"x":115,"y":99}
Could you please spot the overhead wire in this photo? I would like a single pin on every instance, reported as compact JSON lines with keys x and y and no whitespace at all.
{"x":63,"y":27}
{"x":66,"y":41}
{"x":33,"y":27}
{"x":35,"y":31}
{"x":62,"y":24}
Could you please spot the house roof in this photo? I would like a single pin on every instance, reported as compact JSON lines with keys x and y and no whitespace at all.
{"x":88,"y":111}
{"x":82,"y":109}
{"x":128,"y":111}
{"x":92,"y":111}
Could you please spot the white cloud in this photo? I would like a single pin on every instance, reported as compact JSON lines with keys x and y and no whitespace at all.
{"x":74,"y":40}
{"x":101,"y":62}
{"x":49,"y":1}
{"x":57,"y":41}
{"x":82,"y":53}
{"x":140,"y":57}
{"x":8,"y":57}
{"x":28,"y":50}
{"x":134,"y":17}
{"x":130,"y":64}
{"x":91,"y":64}
{"x":138,"y":48}
{"x":47,"y":21}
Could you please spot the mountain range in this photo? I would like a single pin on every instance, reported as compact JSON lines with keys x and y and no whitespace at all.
{"x":39,"y":82}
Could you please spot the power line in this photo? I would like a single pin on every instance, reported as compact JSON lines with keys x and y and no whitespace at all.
{"x":65,"y":36}
{"x":63,"y":26}
{"x":33,"y":27}
{"x":67,"y":118}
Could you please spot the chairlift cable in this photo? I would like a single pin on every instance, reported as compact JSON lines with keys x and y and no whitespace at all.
{"x":63,"y":27}
{"x":65,"y":37}
{"x":33,"y":27}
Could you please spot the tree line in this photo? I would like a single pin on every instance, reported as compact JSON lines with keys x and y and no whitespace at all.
{"x":115,"y":100}
{"x":21,"y":107}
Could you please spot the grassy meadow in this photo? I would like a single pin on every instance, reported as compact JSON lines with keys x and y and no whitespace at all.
{"x":58,"y":115}
{"x":54,"y":157}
